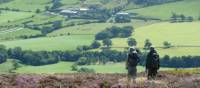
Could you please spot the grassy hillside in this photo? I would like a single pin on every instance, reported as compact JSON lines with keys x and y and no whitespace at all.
{"x":164,"y":11}
{"x":51,"y":43}
{"x":27,"y":5}
{"x":70,"y":2}
{"x":6,"y":16}
{"x":17,"y":33}
{"x":94,"y":28}
{"x":107,"y":3}
{"x":175,"y":33}
{"x":6,"y":67}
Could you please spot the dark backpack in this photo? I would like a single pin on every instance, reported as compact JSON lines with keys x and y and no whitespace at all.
{"x":133,"y":59}
{"x":155,"y":61}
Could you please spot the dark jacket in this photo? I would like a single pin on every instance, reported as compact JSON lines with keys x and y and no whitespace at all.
{"x":152,"y":61}
{"x":133,"y":59}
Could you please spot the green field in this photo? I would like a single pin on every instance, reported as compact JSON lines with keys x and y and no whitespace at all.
{"x":6,"y":67}
{"x":175,"y":33}
{"x":65,"y":67}
{"x":27,"y":5}
{"x":95,"y":28}
{"x":61,"y":67}
{"x":6,"y":16}
{"x":51,"y":43}
{"x":69,"y":2}
{"x":18,"y":33}
{"x":108,"y":3}
{"x":164,"y":11}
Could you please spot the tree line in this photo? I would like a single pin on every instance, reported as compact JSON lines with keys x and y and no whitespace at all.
{"x":37,"y":58}
{"x":114,"y":32}
{"x":180,"y":18}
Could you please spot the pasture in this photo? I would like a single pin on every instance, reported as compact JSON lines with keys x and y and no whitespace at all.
{"x":164,"y":11}
{"x":17,"y":32}
{"x":65,"y":67}
{"x":27,"y":5}
{"x":177,"y":34}
{"x":51,"y":43}
{"x":9,"y":16}
{"x":6,"y":67}
{"x":95,"y":28}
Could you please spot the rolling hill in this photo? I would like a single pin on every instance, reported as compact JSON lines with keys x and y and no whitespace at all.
{"x":27,"y":5}
{"x":178,"y":34}
{"x":164,"y":11}
{"x":51,"y":43}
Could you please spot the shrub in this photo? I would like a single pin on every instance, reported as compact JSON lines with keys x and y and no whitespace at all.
{"x":86,"y":70}
{"x":167,"y":44}
{"x":74,"y":67}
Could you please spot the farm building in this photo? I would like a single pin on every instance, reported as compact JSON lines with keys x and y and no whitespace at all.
{"x":75,"y":12}
{"x":122,"y":17}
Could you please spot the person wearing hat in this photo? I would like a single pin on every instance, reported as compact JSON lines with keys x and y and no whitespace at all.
{"x":152,"y":63}
{"x":131,"y":63}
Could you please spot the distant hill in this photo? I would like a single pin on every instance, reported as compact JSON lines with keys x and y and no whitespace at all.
{"x":164,"y":11}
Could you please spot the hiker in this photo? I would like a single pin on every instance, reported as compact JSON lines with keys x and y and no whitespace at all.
{"x":131,"y":63}
{"x":152,"y":63}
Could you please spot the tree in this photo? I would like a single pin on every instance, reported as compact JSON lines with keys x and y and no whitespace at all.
{"x":46,"y":8}
{"x":199,"y":18}
{"x":16,"y":53}
{"x":82,"y":61}
{"x":83,"y":48}
{"x":3,"y":54}
{"x":37,"y":11}
{"x":126,"y":31}
{"x":56,"y":4}
{"x":74,"y":67}
{"x":182,"y":18}
{"x":15,"y":64}
{"x":174,"y":18}
{"x":107,"y":42}
{"x":132,"y":42}
{"x":103,"y":35}
{"x":114,"y":32}
{"x":167,"y":44}
{"x":57,"y":24}
{"x":95,"y":45}
{"x":190,"y":19}
{"x":147,"y":44}
{"x":165,"y":61}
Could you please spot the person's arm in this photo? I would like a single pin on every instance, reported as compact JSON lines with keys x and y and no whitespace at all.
{"x":138,"y":59}
{"x":158,"y":62}
{"x":127,"y":62}
{"x":147,"y":61}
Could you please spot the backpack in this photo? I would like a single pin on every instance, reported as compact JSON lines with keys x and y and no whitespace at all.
{"x":155,"y":61}
{"x":133,"y":59}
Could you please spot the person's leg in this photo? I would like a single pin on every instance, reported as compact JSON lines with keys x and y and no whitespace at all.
{"x":134,"y":75}
{"x":149,"y":74}
{"x":129,"y":74}
{"x":134,"y":72}
{"x":154,"y":73}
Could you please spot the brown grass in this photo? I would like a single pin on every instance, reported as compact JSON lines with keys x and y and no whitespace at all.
{"x":164,"y":80}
